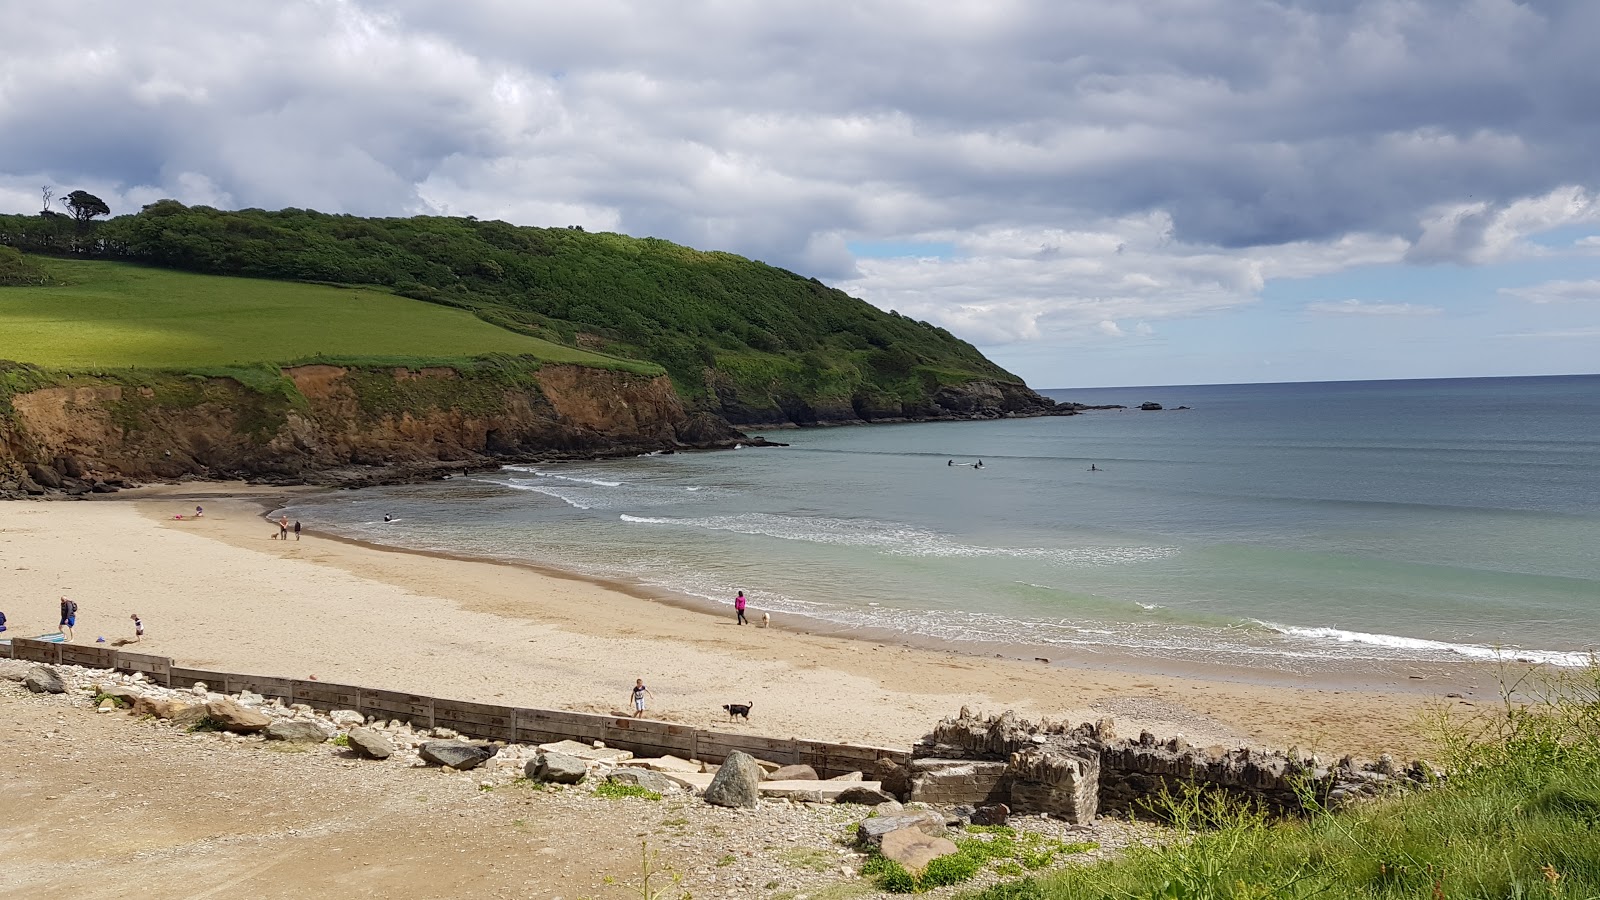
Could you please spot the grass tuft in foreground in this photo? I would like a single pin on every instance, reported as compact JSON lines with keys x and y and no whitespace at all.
{"x":1517,"y":817}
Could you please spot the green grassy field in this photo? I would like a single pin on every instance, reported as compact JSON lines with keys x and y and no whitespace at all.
{"x":104,"y":315}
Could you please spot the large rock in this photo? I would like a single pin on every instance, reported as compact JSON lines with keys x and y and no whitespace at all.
{"x":587,"y":752}
{"x":650,"y":781}
{"x":864,"y":796}
{"x":455,"y":754}
{"x":159,"y":707}
{"x":369,"y":743}
{"x":737,"y":783}
{"x":296,"y":731}
{"x":44,"y":680}
{"x":914,"y":849}
{"x":556,"y":768}
{"x":230,"y":716}
{"x":45,"y":475}
{"x":189,"y":716}
{"x":895,"y":778}
{"x":871,"y":831}
{"x":126,"y":697}
{"x":793,"y":773}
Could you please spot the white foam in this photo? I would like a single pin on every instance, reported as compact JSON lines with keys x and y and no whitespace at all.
{"x":1472,"y":651}
{"x":897,"y":539}
{"x":564,"y":496}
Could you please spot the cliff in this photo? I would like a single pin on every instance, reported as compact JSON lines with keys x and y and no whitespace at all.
{"x":302,"y":423}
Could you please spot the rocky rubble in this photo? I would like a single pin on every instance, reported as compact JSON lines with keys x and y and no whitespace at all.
{"x":777,"y":847}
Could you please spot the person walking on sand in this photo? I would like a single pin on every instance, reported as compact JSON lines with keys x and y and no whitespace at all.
{"x":138,"y":628}
{"x":69,"y":616}
{"x":283,"y":528}
{"x":738,"y":607}
{"x":639,"y":693}
{"x":297,"y":529}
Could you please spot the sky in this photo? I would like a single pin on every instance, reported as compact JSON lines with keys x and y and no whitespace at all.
{"x":1094,"y":193}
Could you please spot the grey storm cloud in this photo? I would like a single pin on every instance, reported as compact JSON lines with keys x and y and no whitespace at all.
{"x":785,"y":129}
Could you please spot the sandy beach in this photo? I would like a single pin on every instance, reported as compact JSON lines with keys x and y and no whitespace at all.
{"x":218,"y":592}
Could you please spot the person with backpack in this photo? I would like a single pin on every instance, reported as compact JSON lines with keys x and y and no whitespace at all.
{"x":69,"y":616}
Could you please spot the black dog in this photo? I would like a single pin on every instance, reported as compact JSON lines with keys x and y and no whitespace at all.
{"x":739,"y":709}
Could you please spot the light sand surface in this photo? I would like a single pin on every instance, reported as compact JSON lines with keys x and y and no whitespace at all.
{"x":219,"y":593}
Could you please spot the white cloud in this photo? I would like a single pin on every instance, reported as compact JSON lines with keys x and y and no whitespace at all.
{"x":1368,"y":308}
{"x":1557,"y":292}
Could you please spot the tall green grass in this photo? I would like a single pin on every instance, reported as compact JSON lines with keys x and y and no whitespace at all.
{"x":96,"y":315}
{"x":1518,"y":816}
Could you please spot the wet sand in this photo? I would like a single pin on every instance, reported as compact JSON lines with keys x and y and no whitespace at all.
{"x":218,"y":592}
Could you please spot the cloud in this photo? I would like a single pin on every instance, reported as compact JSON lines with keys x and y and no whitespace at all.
{"x":1367,"y":308}
{"x":1089,"y":162}
{"x":1557,"y":292}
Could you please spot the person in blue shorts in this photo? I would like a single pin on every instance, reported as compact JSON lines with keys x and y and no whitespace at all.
{"x":639,"y":693}
{"x":2,"y":621}
{"x":69,"y":616}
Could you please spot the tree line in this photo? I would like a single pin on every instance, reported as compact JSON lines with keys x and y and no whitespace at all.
{"x":642,"y":297}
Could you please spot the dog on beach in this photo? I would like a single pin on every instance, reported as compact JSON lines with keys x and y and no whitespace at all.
{"x":766,"y":619}
{"x":738,"y":709}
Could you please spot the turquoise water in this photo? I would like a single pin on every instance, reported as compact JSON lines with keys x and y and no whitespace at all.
{"x":1279,"y":526}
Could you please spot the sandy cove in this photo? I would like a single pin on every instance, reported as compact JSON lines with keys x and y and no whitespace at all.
{"x":219,"y":593}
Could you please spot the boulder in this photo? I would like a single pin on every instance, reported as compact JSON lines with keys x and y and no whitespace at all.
{"x":556,"y":768}
{"x":230,"y":716}
{"x":188,"y":715}
{"x":871,"y":831}
{"x":75,"y":487}
{"x":158,"y":707}
{"x":44,"y":680}
{"x":793,"y":773}
{"x":70,"y":466}
{"x":101,"y":487}
{"x":666,"y":764}
{"x":849,"y":776}
{"x":993,"y":814}
{"x":895,"y":778}
{"x":588,"y":752}
{"x":125,"y":696}
{"x":650,"y":781}
{"x":296,"y":731}
{"x":44,"y":475}
{"x":29,"y":486}
{"x":914,"y":849}
{"x":864,"y":796}
{"x":369,"y":743}
{"x":347,"y":718}
{"x":455,"y":754}
{"x":737,"y":783}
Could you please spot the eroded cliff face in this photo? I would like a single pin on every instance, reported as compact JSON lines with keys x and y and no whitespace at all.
{"x":775,"y":405}
{"x":319,"y":417}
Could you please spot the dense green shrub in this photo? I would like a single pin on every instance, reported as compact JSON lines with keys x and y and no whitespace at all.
{"x":637,"y":297}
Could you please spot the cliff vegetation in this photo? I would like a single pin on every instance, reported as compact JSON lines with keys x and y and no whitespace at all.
{"x":751,"y":342}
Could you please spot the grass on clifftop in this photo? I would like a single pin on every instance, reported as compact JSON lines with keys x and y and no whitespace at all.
{"x":106,"y":315}
{"x":1518,"y":817}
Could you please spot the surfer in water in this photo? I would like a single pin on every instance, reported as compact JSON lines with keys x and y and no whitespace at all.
{"x":1093,"y":467}
{"x":388,"y":518}
{"x":949,"y":462}
{"x":978,"y":464}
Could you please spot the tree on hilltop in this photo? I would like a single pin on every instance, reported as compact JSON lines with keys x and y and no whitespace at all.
{"x":84,"y":207}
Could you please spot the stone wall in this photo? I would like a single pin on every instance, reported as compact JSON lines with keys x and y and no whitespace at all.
{"x":1077,"y":772}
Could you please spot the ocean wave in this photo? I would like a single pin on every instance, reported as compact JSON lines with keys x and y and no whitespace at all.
{"x":1568,"y":659}
{"x":898,"y":539}
{"x":565,"y":496}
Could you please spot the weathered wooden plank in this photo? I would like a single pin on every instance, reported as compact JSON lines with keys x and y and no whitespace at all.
{"x":159,"y":668}
{"x":90,"y":657}
{"x":36,"y":651}
{"x":282,"y":688}
{"x":5,"y":649}
{"x":182,"y":677}
{"x":413,"y":708}
{"x":325,"y":695}
{"x":481,"y":720}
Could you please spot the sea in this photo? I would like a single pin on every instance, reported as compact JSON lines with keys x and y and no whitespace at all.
{"x":1295,"y":528}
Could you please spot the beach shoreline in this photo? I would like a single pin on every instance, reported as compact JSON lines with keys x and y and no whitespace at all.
{"x":500,"y":631}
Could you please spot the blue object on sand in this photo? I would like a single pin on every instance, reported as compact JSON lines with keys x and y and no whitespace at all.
{"x":57,"y":637}
{"x":100,"y":640}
